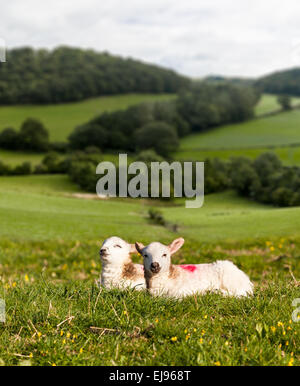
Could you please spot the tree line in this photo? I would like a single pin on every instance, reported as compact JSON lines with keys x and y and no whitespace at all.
{"x":281,"y":82}
{"x":67,"y":74}
{"x":159,"y":125}
{"x":153,"y":125}
{"x":264,"y":179}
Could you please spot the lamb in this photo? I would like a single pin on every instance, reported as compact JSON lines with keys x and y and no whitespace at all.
{"x":118,"y":270}
{"x":164,"y":278}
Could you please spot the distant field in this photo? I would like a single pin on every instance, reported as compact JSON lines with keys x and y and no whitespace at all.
{"x":34,"y":208}
{"x":17,"y":157}
{"x":61,"y":119}
{"x":268,"y":103}
{"x":288,"y":155}
{"x":277,"y":130}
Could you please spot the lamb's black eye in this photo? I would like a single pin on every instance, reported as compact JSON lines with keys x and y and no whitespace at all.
{"x":164,"y":255}
{"x":145,"y":255}
{"x":118,"y":246}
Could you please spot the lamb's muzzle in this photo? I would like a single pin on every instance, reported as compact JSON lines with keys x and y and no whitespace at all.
{"x":154,"y":267}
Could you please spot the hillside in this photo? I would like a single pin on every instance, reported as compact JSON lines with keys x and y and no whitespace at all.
{"x":281,"y":82}
{"x":61,"y":119}
{"x":68,"y":74}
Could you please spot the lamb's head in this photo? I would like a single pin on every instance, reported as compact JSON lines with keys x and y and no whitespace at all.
{"x":115,"y":250}
{"x":157,"y":256}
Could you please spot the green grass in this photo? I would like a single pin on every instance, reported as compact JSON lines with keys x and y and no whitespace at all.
{"x":268,"y":103}
{"x":37,"y":208}
{"x":49,"y":261}
{"x":49,"y":244}
{"x":278,"y":130}
{"x":52,"y":303}
{"x":15,"y":158}
{"x":61,"y":119}
{"x":289,"y":155}
{"x":40,"y":208}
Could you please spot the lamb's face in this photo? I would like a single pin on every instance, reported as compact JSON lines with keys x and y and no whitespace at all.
{"x":114,"y":250}
{"x":157,"y":258}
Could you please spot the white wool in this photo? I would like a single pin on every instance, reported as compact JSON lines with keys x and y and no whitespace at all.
{"x":179,"y":281}
{"x":115,"y":257}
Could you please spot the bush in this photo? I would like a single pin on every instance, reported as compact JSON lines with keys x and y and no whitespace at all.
{"x":148,"y":156}
{"x":158,"y":136}
{"x":33,"y":136}
{"x":23,"y":169}
{"x":5,"y":170}
{"x":9,"y":139}
{"x":87,"y":135}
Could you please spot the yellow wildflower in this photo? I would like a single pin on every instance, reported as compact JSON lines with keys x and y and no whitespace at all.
{"x":174,"y":338}
{"x":217,"y":363}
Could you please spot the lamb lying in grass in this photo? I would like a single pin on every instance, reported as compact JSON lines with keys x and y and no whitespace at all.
{"x":118,"y":270}
{"x":164,"y":278}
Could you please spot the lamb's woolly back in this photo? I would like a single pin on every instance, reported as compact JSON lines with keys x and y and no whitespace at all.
{"x":232,"y":280}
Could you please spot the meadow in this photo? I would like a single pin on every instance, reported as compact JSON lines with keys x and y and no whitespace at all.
{"x":61,"y":119}
{"x":49,"y":243}
{"x":56,"y":315}
{"x":279,"y":133}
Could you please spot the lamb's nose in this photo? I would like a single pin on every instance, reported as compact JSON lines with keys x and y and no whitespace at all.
{"x":154,"y":265}
{"x":103,"y":251}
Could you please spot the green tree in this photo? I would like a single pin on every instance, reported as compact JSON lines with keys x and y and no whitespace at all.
{"x":158,"y":136}
{"x":285,"y":102}
{"x":87,"y":135}
{"x":33,"y":135}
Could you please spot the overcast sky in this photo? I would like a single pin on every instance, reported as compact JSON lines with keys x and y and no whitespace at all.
{"x":194,"y":37}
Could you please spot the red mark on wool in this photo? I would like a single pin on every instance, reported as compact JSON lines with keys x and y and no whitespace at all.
{"x":190,"y":268}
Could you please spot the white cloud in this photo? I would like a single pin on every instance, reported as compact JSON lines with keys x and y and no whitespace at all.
{"x":230,"y":37}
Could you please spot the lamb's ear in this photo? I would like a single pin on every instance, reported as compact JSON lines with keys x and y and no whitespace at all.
{"x":132,"y":248}
{"x":176,"y":244}
{"x":139,"y":247}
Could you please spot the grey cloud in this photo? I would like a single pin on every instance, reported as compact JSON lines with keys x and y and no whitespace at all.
{"x":245,"y":38}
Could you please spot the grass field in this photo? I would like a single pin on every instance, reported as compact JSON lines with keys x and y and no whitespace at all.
{"x":279,"y":134}
{"x":281,"y":129}
{"x":56,"y":315}
{"x":39,"y":208}
{"x":61,"y":119}
{"x":268,"y":103}
{"x":289,"y":155}
{"x":49,"y":261}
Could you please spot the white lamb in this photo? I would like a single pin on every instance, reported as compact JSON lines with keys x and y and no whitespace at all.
{"x":118,"y":270}
{"x":164,"y":278}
